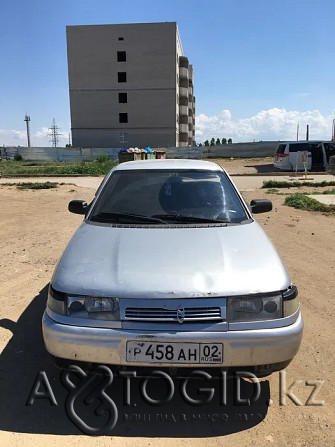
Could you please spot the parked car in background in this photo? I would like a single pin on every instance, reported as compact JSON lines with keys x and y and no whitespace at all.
{"x":170,"y":268}
{"x":301,"y":155}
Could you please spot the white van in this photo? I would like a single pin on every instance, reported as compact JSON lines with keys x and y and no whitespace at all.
{"x":294,"y":155}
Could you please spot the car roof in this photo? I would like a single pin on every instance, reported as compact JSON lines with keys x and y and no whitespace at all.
{"x":301,"y":142}
{"x":169,"y":164}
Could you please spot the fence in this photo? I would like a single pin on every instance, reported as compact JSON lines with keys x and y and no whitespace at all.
{"x":237,"y":150}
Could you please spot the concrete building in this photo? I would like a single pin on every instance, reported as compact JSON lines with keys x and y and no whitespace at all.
{"x":130,"y":85}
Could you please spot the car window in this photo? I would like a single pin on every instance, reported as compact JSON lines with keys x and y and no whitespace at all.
{"x":298,"y":147}
{"x":281,"y":149}
{"x":330,"y":148}
{"x":202,"y":194}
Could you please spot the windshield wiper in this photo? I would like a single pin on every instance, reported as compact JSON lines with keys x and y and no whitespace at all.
{"x":118,"y":217}
{"x":181,"y":217}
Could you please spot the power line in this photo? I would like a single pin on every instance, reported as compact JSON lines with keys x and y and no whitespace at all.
{"x":54,"y":134}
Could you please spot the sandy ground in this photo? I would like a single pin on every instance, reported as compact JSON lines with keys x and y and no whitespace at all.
{"x":35,"y":227}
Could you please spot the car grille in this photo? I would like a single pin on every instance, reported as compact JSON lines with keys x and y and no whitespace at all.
{"x":188,"y":314}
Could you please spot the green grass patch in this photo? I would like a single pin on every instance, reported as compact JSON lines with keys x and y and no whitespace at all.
{"x":330,"y":191}
{"x":276,"y":191}
{"x":37,"y":185}
{"x":285,"y":184}
{"x":33,"y":185}
{"x":94,"y":168}
{"x":303,"y":202}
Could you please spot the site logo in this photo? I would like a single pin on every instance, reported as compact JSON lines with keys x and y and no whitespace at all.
{"x":90,"y":408}
{"x":106,"y":406}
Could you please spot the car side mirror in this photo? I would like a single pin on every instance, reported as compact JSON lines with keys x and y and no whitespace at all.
{"x":260,"y":206}
{"x":78,"y":207}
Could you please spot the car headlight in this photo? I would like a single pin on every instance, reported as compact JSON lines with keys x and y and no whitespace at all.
{"x":254,"y":308}
{"x":56,"y":301}
{"x":84,"y":306}
{"x":290,"y":301}
{"x":268,"y":307}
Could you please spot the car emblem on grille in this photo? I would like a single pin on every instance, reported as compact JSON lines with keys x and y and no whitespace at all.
{"x":180,"y":314}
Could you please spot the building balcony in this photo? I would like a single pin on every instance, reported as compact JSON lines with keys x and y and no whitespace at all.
{"x":183,"y":62}
{"x":183,"y":92}
{"x":183,"y":137}
{"x":183,"y":128}
{"x":183,"y":83}
{"x":183,"y":119}
{"x":183,"y":110}
{"x":183,"y":101}
{"x":183,"y":73}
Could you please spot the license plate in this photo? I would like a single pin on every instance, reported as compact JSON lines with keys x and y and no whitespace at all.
{"x":155,"y":352}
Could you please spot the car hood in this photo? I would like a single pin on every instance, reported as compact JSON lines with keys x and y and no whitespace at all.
{"x":158,"y":262}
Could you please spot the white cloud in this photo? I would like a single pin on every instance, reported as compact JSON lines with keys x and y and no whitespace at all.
{"x":39,"y":138}
{"x":272,"y":124}
{"x":301,"y":95}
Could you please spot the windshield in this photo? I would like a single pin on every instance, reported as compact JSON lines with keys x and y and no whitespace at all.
{"x":168,"y":195}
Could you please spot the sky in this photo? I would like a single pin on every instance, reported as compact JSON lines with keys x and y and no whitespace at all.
{"x":260,"y":66}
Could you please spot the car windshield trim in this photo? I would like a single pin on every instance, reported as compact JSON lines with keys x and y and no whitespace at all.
{"x":116,"y":217}
{"x":182,"y":217}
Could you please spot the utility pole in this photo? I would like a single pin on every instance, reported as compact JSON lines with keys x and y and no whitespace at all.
{"x":27,"y":119}
{"x":307,"y":132}
{"x":298,"y":132}
{"x":54,"y":134}
{"x":333,"y":132}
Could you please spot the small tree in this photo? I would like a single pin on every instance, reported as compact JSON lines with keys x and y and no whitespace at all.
{"x":230,"y":141}
{"x":217,"y":143}
{"x":206,"y":143}
{"x":200,"y":145}
{"x":224,"y":141}
{"x":213,"y":142}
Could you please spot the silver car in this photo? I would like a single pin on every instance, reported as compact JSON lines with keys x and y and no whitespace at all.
{"x":170,"y":268}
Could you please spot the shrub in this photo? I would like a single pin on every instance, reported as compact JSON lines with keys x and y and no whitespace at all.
{"x":17,"y":157}
{"x":102,"y":158}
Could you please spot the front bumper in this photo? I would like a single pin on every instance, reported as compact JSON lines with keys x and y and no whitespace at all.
{"x":108,"y":346}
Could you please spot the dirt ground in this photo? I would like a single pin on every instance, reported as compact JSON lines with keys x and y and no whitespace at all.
{"x":35,"y":227}
{"x":238,"y":166}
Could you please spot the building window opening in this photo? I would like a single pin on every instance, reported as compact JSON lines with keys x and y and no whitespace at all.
{"x":122,"y":76}
{"x":123,"y":98}
{"x":121,"y":56}
{"x":123,"y":117}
